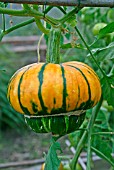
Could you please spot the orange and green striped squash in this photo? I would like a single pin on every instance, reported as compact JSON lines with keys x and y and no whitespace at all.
{"x":50,"y":91}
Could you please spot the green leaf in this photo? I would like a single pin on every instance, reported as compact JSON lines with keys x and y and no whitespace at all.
{"x":103,"y":149}
{"x":108,"y":29}
{"x":102,"y":120}
{"x":108,"y":89}
{"x":52,"y":161}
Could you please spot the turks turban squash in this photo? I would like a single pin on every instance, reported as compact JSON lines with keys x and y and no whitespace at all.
{"x":52,"y":95}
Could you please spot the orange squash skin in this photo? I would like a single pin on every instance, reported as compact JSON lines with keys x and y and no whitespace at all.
{"x":47,"y":88}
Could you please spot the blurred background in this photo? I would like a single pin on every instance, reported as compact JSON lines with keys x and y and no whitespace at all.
{"x":19,"y":48}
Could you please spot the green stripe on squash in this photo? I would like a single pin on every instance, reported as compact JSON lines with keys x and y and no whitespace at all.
{"x":25,"y":110}
{"x":40,"y":77}
{"x":64,"y":89}
{"x":88,"y":103}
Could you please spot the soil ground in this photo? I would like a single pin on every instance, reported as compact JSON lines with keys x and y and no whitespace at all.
{"x":24,"y":146}
{"x":16,"y":147}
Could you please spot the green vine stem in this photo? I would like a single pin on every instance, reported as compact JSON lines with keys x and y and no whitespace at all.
{"x":84,"y":136}
{"x":57,"y":22}
{"x":13,"y":12}
{"x":103,"y":133}
{"x":27,"y":12}
{"x":52,"y":21}
{"x":16,"y":27}
{"x":53,"y":50}
{"x":41,"y":26}
{"x":35,"y":7}
{"x":31,"y":12}
{"x":20,"y":25}
{"x":90,"y":128}
{"x":50,"y":7}
{"x":3,"y":21}
{"x":69,"y":15}
{"x":103,"y":73}
{"x":26,"y":7}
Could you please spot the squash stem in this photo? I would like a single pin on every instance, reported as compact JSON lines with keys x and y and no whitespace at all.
{"x":53,"y":50}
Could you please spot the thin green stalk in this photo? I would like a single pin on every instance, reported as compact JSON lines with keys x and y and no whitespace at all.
{"x":48,"y":9}
{"x":19,"y":25}
{"x":90,"y":128}
{"x":41,"y":26}
{"x":52,"y":21}
{"x":103,"y":133}
{"x":3,"y":21}
{"x":103,"y":73}
{"x":12,"y":12}
{"x":3,"y":33}
{"x":26,"y":7}
{"x":89,"y":150}
{"x":69,"y":15}
{"x":27,"y":11}
{"x":84,"y":136}
{"x":35,"y":7}
{"x":78,"y":150}
{"x":61,"y":9}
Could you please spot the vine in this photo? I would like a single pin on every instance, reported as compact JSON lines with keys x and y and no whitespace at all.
{"x":82,"y":141}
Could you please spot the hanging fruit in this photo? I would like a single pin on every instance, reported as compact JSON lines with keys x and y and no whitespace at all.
{"x":54,"y":96}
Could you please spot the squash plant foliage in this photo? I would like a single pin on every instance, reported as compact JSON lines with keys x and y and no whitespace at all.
{"x":43,"y":115}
